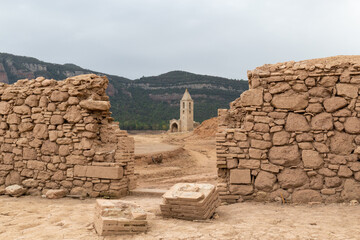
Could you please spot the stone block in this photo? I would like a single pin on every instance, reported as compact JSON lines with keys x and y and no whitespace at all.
{"x":335,"y":103}
{"x":291,"y":102}
{"x":285,"y":155}
{"x":98,"y":172}
{"x":347,"y":90}
{"x":311,"y":159}
{"x":240,"y":176}
{"x":306,"y":196}
{"x":252,"y":97}
{"x":296,"y":122}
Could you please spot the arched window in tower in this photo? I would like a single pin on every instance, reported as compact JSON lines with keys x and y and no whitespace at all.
{"x":189,"y":107}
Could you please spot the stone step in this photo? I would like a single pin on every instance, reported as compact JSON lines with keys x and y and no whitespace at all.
{"x":149,"y":192}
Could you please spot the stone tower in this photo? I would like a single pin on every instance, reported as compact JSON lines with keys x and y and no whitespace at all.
{"x":186,"y":112}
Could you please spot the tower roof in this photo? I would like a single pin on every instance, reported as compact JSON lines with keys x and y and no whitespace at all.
{"x":186,"y":96}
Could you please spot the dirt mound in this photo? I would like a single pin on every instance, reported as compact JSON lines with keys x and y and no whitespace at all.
{"x":207,"y":128}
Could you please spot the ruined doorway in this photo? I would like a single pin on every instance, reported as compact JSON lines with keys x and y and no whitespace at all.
{"x":174,"y":127}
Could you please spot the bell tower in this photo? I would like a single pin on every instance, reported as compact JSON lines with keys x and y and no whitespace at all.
{"x":186,"y":112}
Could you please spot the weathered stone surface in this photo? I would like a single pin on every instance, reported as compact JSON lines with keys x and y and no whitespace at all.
{"x":58,"y":96}
{"x":344,"y":171}
{"x":95,"y":105}
{"x":98,"y":172}
{"x":284,"y":155}
{"x":22,"y":110}
{"x":347,"y":90}
{"x":40,"y":131}
{"x":351,"y":190}
{"x":316,"y":182}
{"x":314,"y":108}
{"x":15,"y":190}
{"x":32,"y":101}
{"x":252,"y":97}
{"x":56,"y":119}
{"x":319,"y":92}
{"x":26,"y":126}
{"x":296,"y":122}
{"x":73,"y":114}
{"x":320,"y":147}
{"x":306,"y":196}
{"x":279,"y":88}
{"x":281,"y":138}
{"x":240,"y":176}
{"x":49,"y":148}
{"x":341,"y":143}
{"x":249,"y":163}
{"x":12,"y":178}
{"x":311,"y":159}
{"x":260,"y":144}
{"x":290,"y":102}
{"x":241,"y":189}
{"x":56,"y":193}
{"x":335,"y":103}
{"x":292,"y":178}
{"x":13,"y":119}
{"x":4,"y":108}
{"x":352,"y":125}
{"x":75,"y":159}
{"x":329,"y":81}
{"x":34,"y":164}
{"x":30,"y":183}
{"x":29,"y":154}
{"x":265,"y":181}
{"x":322,"y":121}
{"x":332,"y":182}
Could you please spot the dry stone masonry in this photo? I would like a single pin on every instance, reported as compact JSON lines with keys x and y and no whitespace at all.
{"x":59,"y":135}
{"x":116,"y":217}
{"x":190,"y":201}
{"x":294,"y":135}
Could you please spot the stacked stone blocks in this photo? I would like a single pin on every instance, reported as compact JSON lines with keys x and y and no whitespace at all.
{"x":60,"y":135}
{"x":294,"y":135}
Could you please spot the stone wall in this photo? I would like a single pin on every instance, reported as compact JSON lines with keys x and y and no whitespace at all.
{"x":294,"y":135}
{"x":59,"y":135}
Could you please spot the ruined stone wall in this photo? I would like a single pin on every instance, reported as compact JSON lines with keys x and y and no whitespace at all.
{"x":59,"y":135}
{"x":294,"y":135}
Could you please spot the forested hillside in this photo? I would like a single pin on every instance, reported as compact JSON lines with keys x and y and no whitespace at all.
{"x":145,"y":103}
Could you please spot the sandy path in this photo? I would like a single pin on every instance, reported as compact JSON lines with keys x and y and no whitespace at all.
{"x":36,"y":218}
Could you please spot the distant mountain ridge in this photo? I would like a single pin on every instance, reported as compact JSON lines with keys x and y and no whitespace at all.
{"x":145,"y":103}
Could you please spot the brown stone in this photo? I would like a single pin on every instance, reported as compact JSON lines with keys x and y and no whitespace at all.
{"x":49,"y":148}
{"x":56,"y":119}
{"x":352,"y":125}
{"x":73,"y":114}
{"x":335,"y":103}
{"x":341,"y":143}
{"x":79,"y":191}
{"x":252,"y":97}
{"x":26,"y":126}
{"x":56,"y":193}
{"x":281,"y":138}
{"x":58,"y":96}
{"x":99,"y":187}
{"x":285,"y":155}
{"x":260,"y":144}
{"x":240,"y":176}
{"x":15,"y":190}
{"x":347,"y":90}
{"x":64,"y":150}
{"x":332,"y":182}
{"x":319,"y":92}
{"x":30,"y":183}
{"x":32,"y":101}
{"x":306,"y":196}
{"x":296,"y":122}
{"x":327,"y":172}
{"x":320,"y":147}
{"x":265,"y":181}
{"x":241,"y":189}
{"x":249,"y":163}
{"x":317,"y":182}
{"x":13,"y":119}
{"x":322,"y":121}
{"x":58,"y":176}
{"x":98,"y":172}
{"x":29,"y":154}
{"x":279,"y":88}
{"x":95,"y":105}
{"x":40,"y":131}
{"x":23,"y":110}
{"x":292,"y":178}
{"x":75,"y":159}
{"x":270,"y":167}
{"x":261,"y":127}
{"x":311,"y":159}
{"x":73,"y":100}
{"x":314,"y":108}
{"x":12,"y":178}
{"x":290,"y":102}
{"x":351,"y":190}
{"x":329,"y":81}
{"x":4,"y":108}
{"x":344,"y":171}
{"x":34,"y":164}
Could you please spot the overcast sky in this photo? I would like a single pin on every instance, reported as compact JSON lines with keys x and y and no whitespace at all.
{"x":134,"y":38}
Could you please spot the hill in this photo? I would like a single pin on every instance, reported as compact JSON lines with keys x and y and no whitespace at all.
{"x":145,"y":103}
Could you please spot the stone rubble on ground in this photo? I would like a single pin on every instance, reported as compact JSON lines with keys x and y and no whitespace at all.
{"x":190,"y":201}
{"x":60,"y":135}
{"x":15,"y":190}
{"x":294,"y":135}
{"x":115,"y":217}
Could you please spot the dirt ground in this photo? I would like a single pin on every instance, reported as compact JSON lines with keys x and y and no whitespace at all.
{"x":38,"y":218}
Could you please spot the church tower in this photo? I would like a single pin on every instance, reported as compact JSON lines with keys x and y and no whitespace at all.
{"x":186,"y":113}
